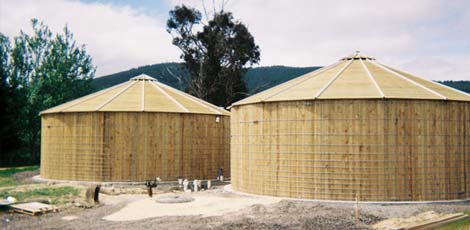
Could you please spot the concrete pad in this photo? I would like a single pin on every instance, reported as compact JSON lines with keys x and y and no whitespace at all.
{"x":204,"y":204}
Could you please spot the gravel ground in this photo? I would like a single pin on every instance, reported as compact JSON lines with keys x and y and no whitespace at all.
{"x":286,"y":214}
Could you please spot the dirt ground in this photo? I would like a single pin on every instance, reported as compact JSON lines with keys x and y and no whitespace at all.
{"x":276,"y":214}
{"x":216,"y":208}
{"x":26,"y":176}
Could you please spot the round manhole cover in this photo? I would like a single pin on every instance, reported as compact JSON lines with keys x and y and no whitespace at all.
{"x":170,"y":199}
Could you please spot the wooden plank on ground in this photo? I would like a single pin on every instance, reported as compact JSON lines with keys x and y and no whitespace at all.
{"x":432,"y":224}
{"x":34,"y":208}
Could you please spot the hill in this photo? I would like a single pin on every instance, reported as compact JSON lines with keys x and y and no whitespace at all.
{"x":170,"y":73}
{"x":261,"y":78}
{"x":460,"y":85}
{"x":257,"y":78}
{"x":173,"y":74}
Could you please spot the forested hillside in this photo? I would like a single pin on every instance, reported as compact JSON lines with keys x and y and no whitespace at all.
{"x":173,"y":74}
{"x":170,"y":73}
{"x":461,"y":85}
{"x":257,"y":79}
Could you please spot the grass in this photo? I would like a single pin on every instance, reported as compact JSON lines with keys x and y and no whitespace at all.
{"x":10,"y":186}
{"x":54,"y":194}
{"x":6,"y":172}
{"x":6,"y":175}
{"x":461,"y":224}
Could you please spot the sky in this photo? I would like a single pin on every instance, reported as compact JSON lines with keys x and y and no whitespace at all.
{"x":430,"y":38}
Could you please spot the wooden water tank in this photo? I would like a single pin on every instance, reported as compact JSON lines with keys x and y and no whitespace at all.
{"x":135,"y":131}
{"x":355,"y":129}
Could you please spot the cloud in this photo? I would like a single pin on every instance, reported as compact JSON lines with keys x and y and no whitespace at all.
{"x":117,"y":37}
{"x":428,"y":38}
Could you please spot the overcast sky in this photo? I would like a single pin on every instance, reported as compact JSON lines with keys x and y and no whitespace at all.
{"x":430,"y":38}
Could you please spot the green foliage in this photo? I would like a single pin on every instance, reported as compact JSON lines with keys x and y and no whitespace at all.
{"x":9,"y":138}
{"x":215,"y":56}
{"x":42,"y":69}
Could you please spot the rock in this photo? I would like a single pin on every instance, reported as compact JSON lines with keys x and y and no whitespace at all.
{"x":11,"y":199}
{"x":69,"y":217}
{"x":82,"y":204}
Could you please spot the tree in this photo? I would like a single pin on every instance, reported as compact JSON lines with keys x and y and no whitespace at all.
{"x":44,"y":70}
{"x":8,"y":135}
{"x":214,"y":56}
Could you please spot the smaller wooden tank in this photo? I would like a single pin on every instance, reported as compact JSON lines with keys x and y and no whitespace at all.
{"x":135,"y":131}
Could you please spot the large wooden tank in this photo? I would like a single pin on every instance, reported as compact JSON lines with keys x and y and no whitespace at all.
{"x":355,"y":129}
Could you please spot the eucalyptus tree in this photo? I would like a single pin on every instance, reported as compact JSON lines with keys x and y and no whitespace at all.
{"x":215,"y":50}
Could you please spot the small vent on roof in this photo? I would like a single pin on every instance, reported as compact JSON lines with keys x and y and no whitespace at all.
{"x":143,"y":77}
{"x":357,"y":56}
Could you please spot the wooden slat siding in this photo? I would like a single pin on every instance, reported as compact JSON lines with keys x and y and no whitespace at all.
{"x":462,"y":185}
{"x":317,"y":164}
{"x":245,"y":148}
{"x":182,"y":148}
{"x":133,"y":146}
{"x":234,"y":138}
{"x":450,"y":154}
{"x":441,"y":163}
{"x":467,"y":148}
{"x":227,"y":141}
{"x":379,"y":150}
{"x":459,"y":151}
{"x":283,"y":154}
{"x":104,"y":162}
{"x":391,"y":121}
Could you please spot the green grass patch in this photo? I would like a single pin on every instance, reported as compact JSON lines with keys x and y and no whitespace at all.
{"x":53,"y":193}
{"x":8,"y":172}
{"x":10,"y":186}
{"x":8,"y":182}
{"x":461,"y":224}
{"x":6,"y":175}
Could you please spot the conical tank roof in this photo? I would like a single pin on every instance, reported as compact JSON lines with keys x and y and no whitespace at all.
{"x":357,"y":77}
{"x":140,"y":94}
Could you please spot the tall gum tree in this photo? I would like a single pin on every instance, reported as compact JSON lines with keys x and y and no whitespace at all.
{"x":215,"y":52}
